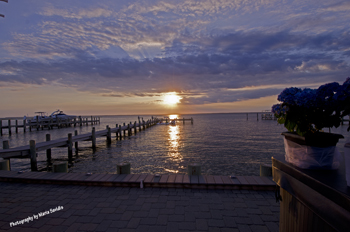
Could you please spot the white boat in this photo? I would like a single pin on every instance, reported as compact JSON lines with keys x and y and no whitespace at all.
{"x":58,"y":114}
{"x":167,"y":122}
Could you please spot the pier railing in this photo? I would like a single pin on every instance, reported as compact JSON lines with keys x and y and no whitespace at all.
{"x":49,"y":123}
{"x":30,"y":151}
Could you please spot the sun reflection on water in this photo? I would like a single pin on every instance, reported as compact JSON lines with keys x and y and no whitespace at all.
{"x":174,"y":144}
{"x":173,"y":116}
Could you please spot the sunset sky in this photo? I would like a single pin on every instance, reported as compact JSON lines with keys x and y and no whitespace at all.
{"x":112,"y":57}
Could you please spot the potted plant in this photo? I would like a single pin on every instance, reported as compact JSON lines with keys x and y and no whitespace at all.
{"x":305,"y":113}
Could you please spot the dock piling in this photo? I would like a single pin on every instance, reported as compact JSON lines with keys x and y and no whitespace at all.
{"x":60,"y":167}
{"x":76,"y":143}
{"x":93,"y":138}
{"x":123,"y":168}
{"x":109,"y":135}
{"x":33,"y":163}
{"x":70,"y":146}
{"x":194,"y":169}
{"x":48,"y":151}
{"x":5,"y":164}
{"x":5,"y":144}
{"x":9,"y":126}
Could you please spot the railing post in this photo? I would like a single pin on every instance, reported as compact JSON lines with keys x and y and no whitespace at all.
{"x":70,"y":146}
{"x":76,"y":143}
{"x":48,"y":151}
{"x":109,"y":136}
{"x":33,"y":163}
{"x":5,"y":144}
{"x":9,"y":126}
{"x":93,"y":138}
{"x":6,"y":164}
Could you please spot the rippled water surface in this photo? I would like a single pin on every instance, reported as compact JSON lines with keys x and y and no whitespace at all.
{"x":223,"y":144}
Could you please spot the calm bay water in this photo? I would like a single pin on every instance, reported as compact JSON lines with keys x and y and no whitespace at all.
{"x":223,"y":144}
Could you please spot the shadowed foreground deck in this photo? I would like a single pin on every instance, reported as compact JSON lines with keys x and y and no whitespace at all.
{"x":95,"y":208}
{"x":134,"y":180}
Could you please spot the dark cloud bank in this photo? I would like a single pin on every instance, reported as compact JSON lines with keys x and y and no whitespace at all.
{"x":206,"y":66}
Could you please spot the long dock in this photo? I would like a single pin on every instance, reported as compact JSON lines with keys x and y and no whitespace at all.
{"x":148,"y":180}
{"x":29,"y":151}
{"x":28,"y":124}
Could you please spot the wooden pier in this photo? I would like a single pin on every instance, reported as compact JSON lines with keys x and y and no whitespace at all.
{"x":30,"y":151}
{"x":148,"y":180}
{"x":177,"y":119}
{"x":268,"y":115}
{"x":44,"y":123}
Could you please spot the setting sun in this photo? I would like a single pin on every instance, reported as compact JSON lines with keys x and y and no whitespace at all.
{"x":171,"y":99}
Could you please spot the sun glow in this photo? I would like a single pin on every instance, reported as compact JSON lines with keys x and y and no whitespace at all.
{"x":171,"y":99}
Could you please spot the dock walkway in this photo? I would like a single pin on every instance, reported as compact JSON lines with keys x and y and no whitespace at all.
{"x":149,"y":180}
{"x":94,"y":208}
{"x":24,"y":151}
{"x":44,"y":123}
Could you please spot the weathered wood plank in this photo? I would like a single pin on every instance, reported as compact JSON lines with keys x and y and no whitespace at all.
{"x":149,"y":178}
{"x":186,"y":179}
{"x":235,"y":181}
{"x":28,"y":175}
{"x":57,"y":176}
{"x":76,"y":176}
{"x":4,"y":173}
{"x":251,"y":180}
{"x":179,"y":178}
{"x":163,"y":178}
{"x":194,"y":179}
{"x":268,"y":180}
{"x":156,"y":179}
{"x":64,"y":176}
{"x":242,"y":180}
{"x":210,"y":179}
{"x":259,"y":180}
{"x":127,"y":178}
{"x":98,"y":177}
{"x":218,"y":180}
{"x":171,"y":179}
{"x":120,"y":178}
{"x":201,"y":180}
{"x":49,"y":175}
{"x":142,"y":177}
{"x":226,"y":180}
{"x":134,"y":177}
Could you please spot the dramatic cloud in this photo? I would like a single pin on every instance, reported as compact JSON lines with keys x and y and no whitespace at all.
{"x":207,"y":51}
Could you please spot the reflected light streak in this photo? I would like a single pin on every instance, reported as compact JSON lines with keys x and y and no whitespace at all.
{"x":173,"y":116}
{"x":174,"y":138}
